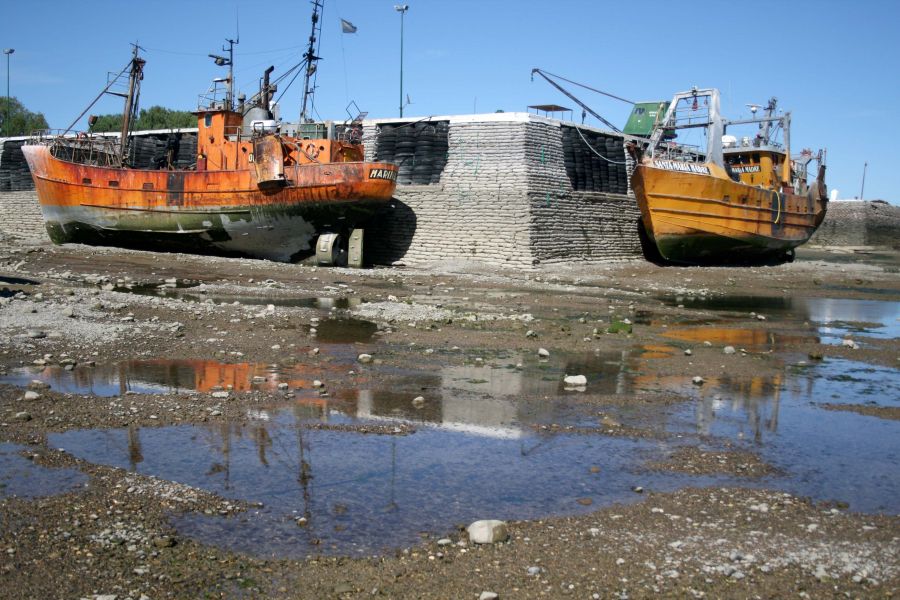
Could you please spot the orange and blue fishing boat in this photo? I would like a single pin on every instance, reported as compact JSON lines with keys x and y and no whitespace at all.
{"x":252,"y":191}
{"x":736,"y":200}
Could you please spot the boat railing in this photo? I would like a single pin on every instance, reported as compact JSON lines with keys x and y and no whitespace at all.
{"x":80,"y":146}
{"x":680,"y":152}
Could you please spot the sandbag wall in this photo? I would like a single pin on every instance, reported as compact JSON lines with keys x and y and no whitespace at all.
{"x":514,"y":191}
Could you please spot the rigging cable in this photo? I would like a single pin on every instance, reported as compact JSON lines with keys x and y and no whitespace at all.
{"x":594,"y":151}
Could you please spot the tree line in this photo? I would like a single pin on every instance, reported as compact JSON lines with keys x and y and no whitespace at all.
{"x":22,"y":121}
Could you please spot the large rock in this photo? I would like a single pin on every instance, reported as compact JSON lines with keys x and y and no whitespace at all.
{"x":489,"y":531}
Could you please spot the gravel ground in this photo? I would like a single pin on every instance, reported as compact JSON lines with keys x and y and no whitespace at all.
{"x":112,"y":535}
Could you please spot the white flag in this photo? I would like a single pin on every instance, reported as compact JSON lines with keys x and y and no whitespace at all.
{"x":347,"y":27}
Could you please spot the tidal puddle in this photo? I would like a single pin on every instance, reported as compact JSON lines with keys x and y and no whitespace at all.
{"x":479,"y":450}
{"x":174,"y":291}
{"x":22,"y":478}
{"x":166,"y":376}
{"x":757,"y":340}
{"x":826,"y":455}
{"x":834,"y":317}
{"x":345,"y":331}
{"x":369,"y":493}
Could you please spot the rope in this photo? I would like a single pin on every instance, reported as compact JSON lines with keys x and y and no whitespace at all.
{"x":591,"y":148}
{"x":778,"y":217}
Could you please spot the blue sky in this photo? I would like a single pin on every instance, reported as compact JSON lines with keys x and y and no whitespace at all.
{"x":834,"y":64}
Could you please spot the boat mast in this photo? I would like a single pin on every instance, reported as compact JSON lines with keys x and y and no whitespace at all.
{"x":134,"y":84}
{"x":311,"y":59}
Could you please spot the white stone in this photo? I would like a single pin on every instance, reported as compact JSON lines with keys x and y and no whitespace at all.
{"x":728,"y":350}
{"x":220,"y":394}
{"x":489,"y":531}
{"x":575,"y":380}
{"x":543,"y":352}
{"x":364,"y":358}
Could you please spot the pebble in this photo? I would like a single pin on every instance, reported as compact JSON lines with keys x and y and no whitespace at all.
{"x":488,"y":596}
{"x":317,"y":384}
{"x":575,"y":380}
{"x":543,"y":353}
{"x":848,"y":343}
{"x":164,"y":541}
{"x":220,"y":394}
{"x":729,"y":350}
{"x":22,"y":416}
{"x":697,"y":380}
{"x":688,"y":352}
{"x":364,"y":358}
{"x":488,"y":531}
{"x":29,"y":395}
{"x":35,"y":334}
{"x":534,"y":571}
{"x":418,"y":401}
{"x":444,"y":542}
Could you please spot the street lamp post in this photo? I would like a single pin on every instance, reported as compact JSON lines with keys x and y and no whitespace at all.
{"x":7,"y":52}
{"x":401,"y":8}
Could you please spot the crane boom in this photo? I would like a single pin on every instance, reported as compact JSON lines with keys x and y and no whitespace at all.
{"x":577,"y":101}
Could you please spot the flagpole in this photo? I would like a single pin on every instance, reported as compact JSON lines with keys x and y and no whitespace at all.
{"x":401,"y":8}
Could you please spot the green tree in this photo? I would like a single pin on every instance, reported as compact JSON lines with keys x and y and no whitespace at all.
{"x":155,"y":117}
{"x":21,"y":120}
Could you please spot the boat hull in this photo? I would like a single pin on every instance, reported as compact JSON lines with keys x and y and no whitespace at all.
{"x":699,"y":218}
{"x":206,"y":211}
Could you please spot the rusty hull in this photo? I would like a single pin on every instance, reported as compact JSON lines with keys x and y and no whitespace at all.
{"x":231,"y":211}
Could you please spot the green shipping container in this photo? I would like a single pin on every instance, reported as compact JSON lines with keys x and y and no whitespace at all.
{"x":644,"y":116}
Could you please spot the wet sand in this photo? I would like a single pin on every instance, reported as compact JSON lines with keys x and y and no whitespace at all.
{"x":236,"y":428}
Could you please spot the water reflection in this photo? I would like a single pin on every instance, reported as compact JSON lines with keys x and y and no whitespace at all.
{"x":835,"y":316}
{"x":174,"y":291}
{"x":363,"y":493}
{"x":756,"y":339}
{"x":23,"y":478}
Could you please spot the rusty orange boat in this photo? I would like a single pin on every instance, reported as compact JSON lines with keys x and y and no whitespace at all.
{"x":736,"y":201}
{"x":253,"y":191}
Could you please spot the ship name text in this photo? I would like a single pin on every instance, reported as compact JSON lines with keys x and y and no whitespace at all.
{"x":683,"y":167}
{"x":388,"y":174}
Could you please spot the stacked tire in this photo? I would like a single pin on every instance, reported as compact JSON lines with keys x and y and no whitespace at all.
{"x":418,"y":149}
{"x":14,"y":173}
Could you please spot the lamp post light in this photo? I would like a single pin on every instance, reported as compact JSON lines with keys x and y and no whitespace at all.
{"x":401,"y":8}
{"x":7,"y":52}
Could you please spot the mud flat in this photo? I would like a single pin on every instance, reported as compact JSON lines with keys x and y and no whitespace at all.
{"x":181,"y":426}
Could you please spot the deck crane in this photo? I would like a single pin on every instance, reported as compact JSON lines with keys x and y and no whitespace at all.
{"x":584,"y":106}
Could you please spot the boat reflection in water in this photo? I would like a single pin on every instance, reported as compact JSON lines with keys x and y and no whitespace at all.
{"x":359,"y":484}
